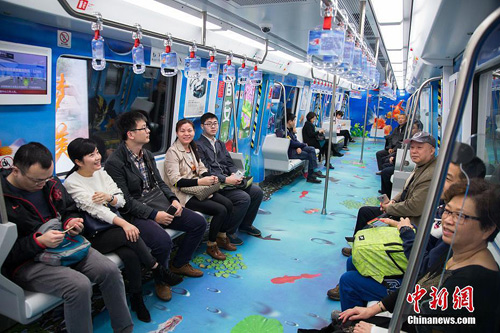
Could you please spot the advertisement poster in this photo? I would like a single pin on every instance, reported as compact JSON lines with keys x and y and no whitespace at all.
{"x":246,"y":111}
{"x":196,"y":98}
{"x":71,"y":108}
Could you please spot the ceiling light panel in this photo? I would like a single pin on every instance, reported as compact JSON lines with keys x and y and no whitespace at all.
{"x":392,"y":36}
{"x":388,"y":11}
{"x":242,"y":39}
{"x":395,"y":56}
{"x":159,"y":8}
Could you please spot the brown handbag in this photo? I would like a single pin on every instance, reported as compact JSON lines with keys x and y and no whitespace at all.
{"x":201,"y":192}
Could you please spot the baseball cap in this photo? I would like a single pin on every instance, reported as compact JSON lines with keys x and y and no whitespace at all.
{"x":423,"y":137}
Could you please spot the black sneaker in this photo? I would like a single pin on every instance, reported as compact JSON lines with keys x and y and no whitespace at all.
{"x":251,"y":230}
{"x":313,"y":180}
{"x":161,"y":275}
{"x":319,"y":174}
{"x":234,"y":239}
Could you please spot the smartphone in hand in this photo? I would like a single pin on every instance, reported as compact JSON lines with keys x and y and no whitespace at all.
{"x":383,"y":198}
{"x":239,"y":174}
{"x":171,"y":210}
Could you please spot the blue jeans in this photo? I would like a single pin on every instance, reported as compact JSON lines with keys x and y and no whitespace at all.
{"x":308,"y":153}
{"x":357,"y":290}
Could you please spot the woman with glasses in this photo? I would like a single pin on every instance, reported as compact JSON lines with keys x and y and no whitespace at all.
{"x":463,"y":284}
{"x":95,"y":193}
{"x":183,"y":168}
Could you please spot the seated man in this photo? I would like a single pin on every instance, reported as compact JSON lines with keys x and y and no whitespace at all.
{"x":410,"y":202}
{"x":32,"y":197}
{"x":388,"y":168}
{"x":302,"y":151}
{"x":217,"y":160}
{"x":393,"y":142}
{"x":356,"y":290}
{"x":342,"y":131}
{"x":134,"y":170}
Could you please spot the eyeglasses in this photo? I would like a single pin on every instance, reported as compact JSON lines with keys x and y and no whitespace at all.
{"x":210,"y":124}
{"x":458,"y":217}
{"x":145,"y":129}
{"x":37,"y":181}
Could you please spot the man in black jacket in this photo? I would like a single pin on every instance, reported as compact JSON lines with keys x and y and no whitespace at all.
{"x":216,"y":158}
{"x":134,"y":170}
{"x":302,"y":151}
{"x":392,"y":143}
{"x":32,"y":197}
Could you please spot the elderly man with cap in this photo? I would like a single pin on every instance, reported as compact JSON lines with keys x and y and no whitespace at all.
{"x":410,"y":202}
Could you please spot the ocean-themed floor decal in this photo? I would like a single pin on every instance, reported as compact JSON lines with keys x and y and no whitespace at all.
{"x":277,"y":282}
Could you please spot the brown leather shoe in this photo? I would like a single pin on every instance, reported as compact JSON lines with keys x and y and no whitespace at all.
{"x":214,"y":252}
{"x":347,"y":251}
{"x":334,"y":293}
{"x":186,"y":270}
{"x":225,"y":243}
{"x":163,"y":292}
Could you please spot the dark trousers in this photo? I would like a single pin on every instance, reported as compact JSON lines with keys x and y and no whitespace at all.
{"x":381,"y":154}
{"x":365,"y":214}
{"x":385,"y":180}
{"x":133,"y":254}
{"x":308,"y":153}
{"x":346,"y":135}
{"x":245,"y":206}
{"x":219,"y":207}
{"x":159,"y":241}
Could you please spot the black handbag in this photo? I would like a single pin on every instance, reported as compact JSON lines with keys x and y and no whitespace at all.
{"x":93,"y":225}
{"x":155,"y":199}
{"x":320,"y":136}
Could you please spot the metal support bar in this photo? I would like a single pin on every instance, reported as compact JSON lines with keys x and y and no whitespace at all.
{"x":204,"y":28}
{"x":263,"y":108}
{"x":126,"y":27}
{"x":362,"y":19}
{"x":284,"y":100}
{"x":417,"y":100}
{"x":235,"y":118}
{"x":364,"y":127}
{"x":329,"y":143}
{"x":465,"y":77}
{"x":3,"y":208}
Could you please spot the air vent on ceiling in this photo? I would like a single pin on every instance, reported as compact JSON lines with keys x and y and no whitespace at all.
{"x":244,"y":3}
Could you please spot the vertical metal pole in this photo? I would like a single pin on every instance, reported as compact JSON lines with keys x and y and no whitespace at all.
{"x":235,"y":117}
{"x":362,"y":20}
{"x":376,"y":125}
{"x":431,"y":111}
{"x":364,"y":126}
{"x":329,"y":143}
{"x":204,"y":28}
{"x":3,"y":209}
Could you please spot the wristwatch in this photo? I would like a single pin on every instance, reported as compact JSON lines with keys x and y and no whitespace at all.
{"x":112,"y":198}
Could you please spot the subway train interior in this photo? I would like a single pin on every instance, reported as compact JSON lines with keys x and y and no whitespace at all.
{"x":398,"y":94}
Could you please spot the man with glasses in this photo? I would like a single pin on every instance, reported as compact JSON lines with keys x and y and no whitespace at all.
{"x":134,"y":170}
{"x":216,"y":158}
{"x":32,"y":197}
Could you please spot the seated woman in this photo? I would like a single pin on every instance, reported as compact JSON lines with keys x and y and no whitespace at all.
{"x":310,"y":135}
{"x":183,"y":168}
{"x":343,"y":132}
{"x":95,"y":192}
{"x":470,"y":220}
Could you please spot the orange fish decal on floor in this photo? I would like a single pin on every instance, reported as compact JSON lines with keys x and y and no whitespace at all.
{"x":311,"y":211}
{"x":304,"y":193}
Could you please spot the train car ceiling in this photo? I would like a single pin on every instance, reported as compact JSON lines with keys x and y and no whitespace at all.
{"x":239,"y":26}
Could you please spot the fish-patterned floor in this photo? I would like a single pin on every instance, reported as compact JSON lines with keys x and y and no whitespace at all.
{"x":279,"y":281}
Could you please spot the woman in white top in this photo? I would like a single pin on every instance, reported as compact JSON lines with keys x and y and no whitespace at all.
{"x":95,"y":193}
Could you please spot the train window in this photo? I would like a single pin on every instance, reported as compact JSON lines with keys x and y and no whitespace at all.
{"x":88,"y":103}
